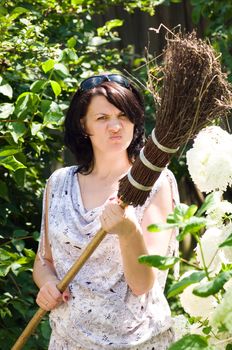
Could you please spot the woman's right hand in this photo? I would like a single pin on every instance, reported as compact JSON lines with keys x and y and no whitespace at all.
{"x":50,"y":297}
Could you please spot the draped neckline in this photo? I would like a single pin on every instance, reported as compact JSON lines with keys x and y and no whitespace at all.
{"x":83,"y":210}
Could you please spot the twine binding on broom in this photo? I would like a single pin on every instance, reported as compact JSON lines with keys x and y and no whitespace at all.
{"x":148,"y":164}
{"x":136,"y":184}
{"x":161,"y":147}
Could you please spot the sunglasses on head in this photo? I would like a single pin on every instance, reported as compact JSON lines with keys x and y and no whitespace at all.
{"x":96,"y":80}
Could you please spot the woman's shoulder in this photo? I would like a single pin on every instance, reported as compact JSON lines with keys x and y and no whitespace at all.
{"x":165,"y":180}
{"x":61,"y":174}
{"x":166,"y":183}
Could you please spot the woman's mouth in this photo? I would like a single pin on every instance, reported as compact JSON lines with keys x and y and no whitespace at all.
{"x":115,"y":137}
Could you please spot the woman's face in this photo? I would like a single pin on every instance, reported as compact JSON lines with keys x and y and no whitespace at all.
{"x":110,"y":129}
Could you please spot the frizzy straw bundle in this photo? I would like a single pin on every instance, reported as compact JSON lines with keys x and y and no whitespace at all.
{"x":194,"y":92}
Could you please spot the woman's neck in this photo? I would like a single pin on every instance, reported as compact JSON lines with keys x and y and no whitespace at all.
{"x":102,"y":182}
{"x":108,"y":167}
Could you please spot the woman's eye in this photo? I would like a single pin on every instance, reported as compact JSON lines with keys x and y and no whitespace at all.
{"x":122,"y":116}
{"x":103,"y":117}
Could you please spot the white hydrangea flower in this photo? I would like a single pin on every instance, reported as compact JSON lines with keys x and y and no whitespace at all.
{"x":196,"y":328}
{"x":197,"y":306}
{"x":194,"y":305}
{"x":220,"y":341}
{"x":228,"y":285}
{"x":210,"y":160}
{"x":180,"y":326}
{"x":227,"y":251}
{"x":223,"y":313}
{"x":217,"y":212}
{"x":213,"y":256}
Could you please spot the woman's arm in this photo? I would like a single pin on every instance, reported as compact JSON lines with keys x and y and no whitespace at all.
{"x":44,"y":273}
{"x":135,"y":240}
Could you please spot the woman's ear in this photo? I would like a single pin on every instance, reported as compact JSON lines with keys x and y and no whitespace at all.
{"x":84,"y":128}
{"x":82,"y":122}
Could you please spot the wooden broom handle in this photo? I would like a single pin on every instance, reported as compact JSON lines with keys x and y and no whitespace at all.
{"x":62,"y":285}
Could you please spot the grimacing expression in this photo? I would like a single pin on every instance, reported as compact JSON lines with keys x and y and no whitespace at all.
{"x":109,"y":128}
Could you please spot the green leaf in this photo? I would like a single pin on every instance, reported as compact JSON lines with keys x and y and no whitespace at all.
{"x":101,"y":31}
{"x":54,"y":114}
{"x":15,"y":266}
{"x":3,"y":11}
{"x":26,"y":103}
{"x":36,"y":236}
{"x":38,"y":86}
{"x":45,"y":329}
{"x":170,"y":219}
{"x":8,"y":151}
{"x":6,"y":90}
{"x":161,"y":262}
{"x":17,"y":130}
{"x":35,"y":128}
{"x":160,"y":227}
{"x":29,"y":253}
{"x":20,"y":307}
{"x":4,"y":270}
{"x":55,"y":87}
{"x":48,"y":65}
{"x":178,"y":287}
{"x":6,"y":109}
{"x":179,"y":212}
{"x":61,"y":69}
{"x":213,"y":287}
{"x":69,"y":55}
{"x":19,"y":233}
{"x":190,"y":212}
{"x":113,"y":23}
{"x":191,"y":342}
{"x":7,"y":255}
{"x":19,"y":245}
{"x":208,"y":202}
{"x":71,"y":42}
{"x":207,"y":330}
{"x":19,"y":177}
{"x":97,"y":41}
{"x":11,"y":163}
{"x":23,"y":260}
{"x":4,"y":191}
{"x":19,"y":10}
{"x":227,"y":242}
{"x":193,"y":225}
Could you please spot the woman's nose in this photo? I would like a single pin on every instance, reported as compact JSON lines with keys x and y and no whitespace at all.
{"x":114,"y":125}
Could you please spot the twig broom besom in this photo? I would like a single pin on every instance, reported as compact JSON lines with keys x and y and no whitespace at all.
{"x":194,"y":92}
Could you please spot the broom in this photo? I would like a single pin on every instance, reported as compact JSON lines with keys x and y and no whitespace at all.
{"x":194,"y":92}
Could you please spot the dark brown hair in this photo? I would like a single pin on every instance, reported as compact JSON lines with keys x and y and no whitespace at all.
{"x":126,"y":100}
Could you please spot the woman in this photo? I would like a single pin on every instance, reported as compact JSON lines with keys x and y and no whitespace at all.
{"x":114,"y":302}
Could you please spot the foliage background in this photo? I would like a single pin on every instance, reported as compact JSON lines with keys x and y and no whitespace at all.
{"x":47,"y":47}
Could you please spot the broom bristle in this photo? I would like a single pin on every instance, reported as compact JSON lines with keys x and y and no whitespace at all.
{"x":194,"y":92}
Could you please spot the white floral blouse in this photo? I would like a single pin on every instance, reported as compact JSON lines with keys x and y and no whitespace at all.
{"x":102,"y":312}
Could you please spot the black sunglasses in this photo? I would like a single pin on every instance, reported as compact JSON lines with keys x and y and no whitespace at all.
{"x":96,"y":80}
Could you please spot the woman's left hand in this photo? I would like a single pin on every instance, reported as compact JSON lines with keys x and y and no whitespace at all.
{"x":119,"y":221}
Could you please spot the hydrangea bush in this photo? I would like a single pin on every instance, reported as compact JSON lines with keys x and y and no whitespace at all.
{"x":205,"y":290}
